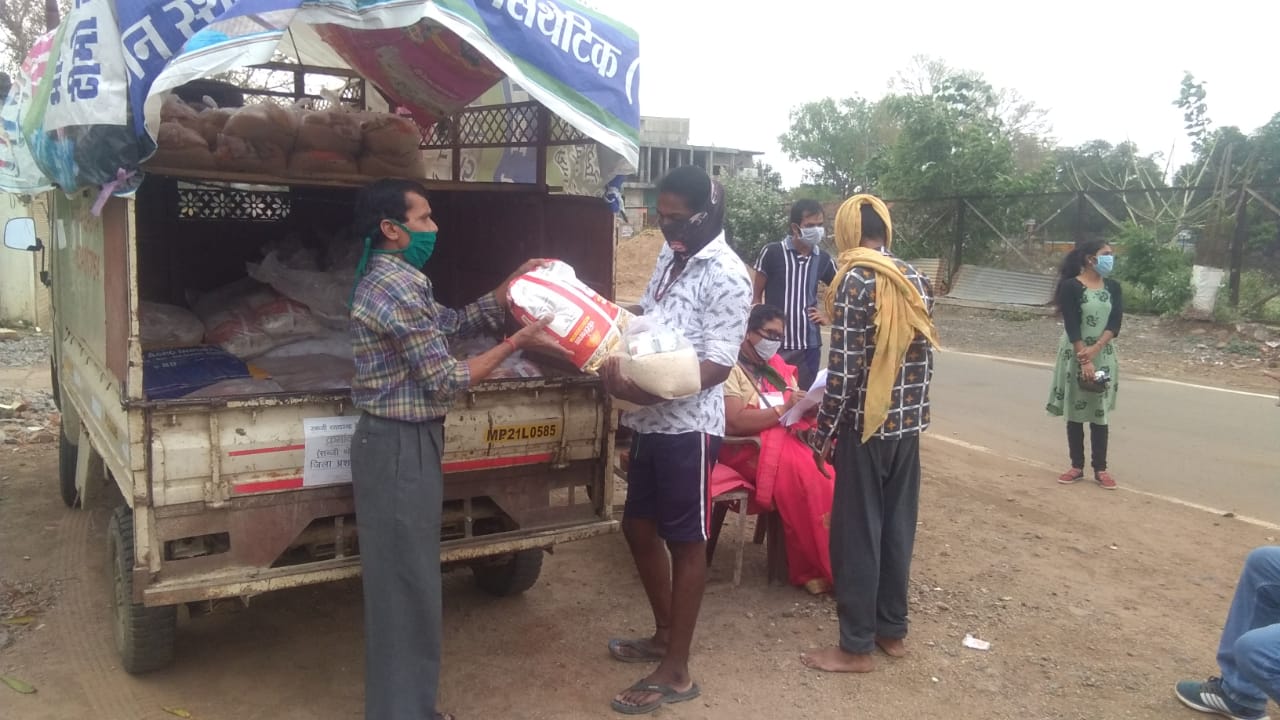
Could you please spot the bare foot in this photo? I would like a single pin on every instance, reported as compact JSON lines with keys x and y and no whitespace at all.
{"x":893,"y":647}
{"x":833,"y":659}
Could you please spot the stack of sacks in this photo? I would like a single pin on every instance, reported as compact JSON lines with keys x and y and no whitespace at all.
{"x":328,"y":143}
{"x":257,"y":139}
{"x":179,"y":142}
{"x":392,"y":147}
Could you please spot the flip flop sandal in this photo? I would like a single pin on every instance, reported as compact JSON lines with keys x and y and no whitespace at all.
{"x":641,"y":651}
{"x":667,"y":694}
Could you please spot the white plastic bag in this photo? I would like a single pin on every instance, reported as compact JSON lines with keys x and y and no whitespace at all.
{"x":583,"y":322}
{"x":325,"y":293}
{"x":659,"y":359}
{"x":168,"y":326}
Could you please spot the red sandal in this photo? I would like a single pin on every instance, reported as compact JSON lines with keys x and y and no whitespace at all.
{"x":1105,"y":480}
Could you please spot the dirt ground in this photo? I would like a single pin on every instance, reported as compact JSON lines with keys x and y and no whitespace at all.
{"x":1095,"y":604}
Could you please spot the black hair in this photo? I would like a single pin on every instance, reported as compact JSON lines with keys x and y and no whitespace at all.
{"x":1073,"y":264}
{"x":383,"y":200}
{"x":761,"y":314}
{"x":873,"y":227}
{"x":690,"y":183}
{"x":801,"y":208}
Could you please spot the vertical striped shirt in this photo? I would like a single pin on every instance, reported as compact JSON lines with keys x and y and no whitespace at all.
{"x":791,"y":285}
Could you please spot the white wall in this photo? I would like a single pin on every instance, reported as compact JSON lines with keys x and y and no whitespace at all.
{"x":22,"y":298}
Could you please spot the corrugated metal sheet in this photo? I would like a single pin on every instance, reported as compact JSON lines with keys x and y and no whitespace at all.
{"x":932,"y":267}
{"x":1001,"y":287}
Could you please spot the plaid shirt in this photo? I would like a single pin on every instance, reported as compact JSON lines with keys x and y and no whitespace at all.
{"x":853,"y":345}
{"x":400,"y":336}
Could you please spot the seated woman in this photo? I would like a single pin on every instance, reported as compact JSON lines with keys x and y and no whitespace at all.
{"x":759,"y":391}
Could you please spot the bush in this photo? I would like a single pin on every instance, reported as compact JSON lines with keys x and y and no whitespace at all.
{"x":755,"y":215}
{"x":1156,"y":276}
{"x":1255,"y":287}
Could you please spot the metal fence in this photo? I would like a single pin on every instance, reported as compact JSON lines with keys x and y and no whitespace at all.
{"x":1232,"y":227}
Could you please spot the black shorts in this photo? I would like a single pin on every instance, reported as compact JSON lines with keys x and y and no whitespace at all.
{"x":668,"y":479}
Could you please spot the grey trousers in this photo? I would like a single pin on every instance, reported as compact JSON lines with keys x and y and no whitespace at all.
{"x":873,"y":530}
{"x":399,"y":488}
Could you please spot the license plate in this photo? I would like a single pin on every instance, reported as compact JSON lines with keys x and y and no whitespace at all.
{"x":525,"y":432}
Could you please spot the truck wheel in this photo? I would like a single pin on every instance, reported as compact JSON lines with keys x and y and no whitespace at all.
{"x":143,"y":635}
{"x":509,"y":577}
{"x":68,"y":453}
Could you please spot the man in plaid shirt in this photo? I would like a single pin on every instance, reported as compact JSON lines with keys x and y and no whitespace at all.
{"x":404,"y":384}
{"x":875,"y":433}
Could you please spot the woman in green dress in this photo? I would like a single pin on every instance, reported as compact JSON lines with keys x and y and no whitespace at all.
{"x":1091,"y":306}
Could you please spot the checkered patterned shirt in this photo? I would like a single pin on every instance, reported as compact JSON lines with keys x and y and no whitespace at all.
{"x":400,"y":336}
{"x":853,"y":345}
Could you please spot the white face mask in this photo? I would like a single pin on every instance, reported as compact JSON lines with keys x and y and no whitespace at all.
{"x":811,"y":236}
{"x":766,"y":348}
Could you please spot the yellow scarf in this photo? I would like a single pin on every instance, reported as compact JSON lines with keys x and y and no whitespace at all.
{"x":900,"y":310}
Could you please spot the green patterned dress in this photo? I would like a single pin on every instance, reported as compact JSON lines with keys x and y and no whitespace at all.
{"x":1066,"y":398}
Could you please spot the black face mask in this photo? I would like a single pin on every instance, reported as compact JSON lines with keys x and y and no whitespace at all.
{"x":675,"y":230}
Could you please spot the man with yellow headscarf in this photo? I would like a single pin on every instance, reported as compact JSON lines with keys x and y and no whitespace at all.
{"x":876,"y":405}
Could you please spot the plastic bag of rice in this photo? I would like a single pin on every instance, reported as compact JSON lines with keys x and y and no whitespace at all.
{"x":659,"y":359}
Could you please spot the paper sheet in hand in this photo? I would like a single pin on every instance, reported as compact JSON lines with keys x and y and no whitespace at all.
{"x":809,"y":401}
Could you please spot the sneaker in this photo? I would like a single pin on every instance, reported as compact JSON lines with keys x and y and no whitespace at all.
{"x":1105,"y":480}
{"x":1209,"y":697}
{"x":1072,"y":476}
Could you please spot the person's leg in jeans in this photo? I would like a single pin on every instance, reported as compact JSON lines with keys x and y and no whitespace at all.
{"x":1256,"y":605}
{"x":901,"y":493}
{"x":1249,"y":651}
{"x":857,"y":524}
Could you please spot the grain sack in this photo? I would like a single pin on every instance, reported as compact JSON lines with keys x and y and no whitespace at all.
{"x":239,"y":155}
{"x":322,"y":162}
{"x":330,"y":130}
{"x":410,"y":165}
{"x":264,"y":124}
{"x":211,"y":124}
{"x":583,"y":322}
{"x":178,"y":146}
{"x":392,"y":135}
{"x":659,"y":360}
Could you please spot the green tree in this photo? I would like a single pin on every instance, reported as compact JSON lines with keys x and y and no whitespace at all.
{"x":755,"y":212}
{"x":842,"y":138}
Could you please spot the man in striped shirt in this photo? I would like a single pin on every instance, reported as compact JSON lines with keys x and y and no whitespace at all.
{"x":787,"y":276}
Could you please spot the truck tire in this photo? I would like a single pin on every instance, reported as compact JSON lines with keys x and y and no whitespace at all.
{"x":512,"y":576}
{"x":68,"y":453}
{"x":143,"y":635}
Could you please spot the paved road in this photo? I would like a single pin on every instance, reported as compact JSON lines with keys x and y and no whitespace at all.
{"x":1214,"y":448}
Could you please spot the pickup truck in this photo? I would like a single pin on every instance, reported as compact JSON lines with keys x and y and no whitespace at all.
{"x":219,"y":497}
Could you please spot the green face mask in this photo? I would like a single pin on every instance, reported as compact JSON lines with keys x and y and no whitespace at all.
{"x":421,"y":245}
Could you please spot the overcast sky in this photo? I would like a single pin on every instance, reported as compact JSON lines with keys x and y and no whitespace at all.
{"x":1103,"y":69}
